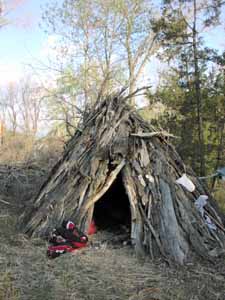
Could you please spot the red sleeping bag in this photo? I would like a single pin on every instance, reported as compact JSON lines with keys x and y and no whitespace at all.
{"x":68,"y":239}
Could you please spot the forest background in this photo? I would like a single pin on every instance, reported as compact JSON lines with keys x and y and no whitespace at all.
{"x":101,"y":46}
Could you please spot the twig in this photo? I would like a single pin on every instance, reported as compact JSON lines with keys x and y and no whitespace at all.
{"x":4,"y":216}
{"x":5,"y":202}
{"x":215,"y":221}
{"x":209,"y":176}
{"x":135,"y":92}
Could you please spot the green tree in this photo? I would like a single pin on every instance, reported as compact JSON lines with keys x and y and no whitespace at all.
{"x":181,"y":26}
{"x":178,"y":96}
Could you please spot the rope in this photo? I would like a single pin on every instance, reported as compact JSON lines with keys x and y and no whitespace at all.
{"x":210,"y":176}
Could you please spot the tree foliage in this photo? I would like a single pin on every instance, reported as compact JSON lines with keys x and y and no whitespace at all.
{"x":181,"y":29}
{"x":180,"y":115}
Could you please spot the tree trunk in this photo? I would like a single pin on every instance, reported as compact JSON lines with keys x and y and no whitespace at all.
{"x":198,"y":97}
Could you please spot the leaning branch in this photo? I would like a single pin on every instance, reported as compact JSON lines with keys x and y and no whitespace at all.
{"x":5,"y":202}
{"x":107,"y":185}
{"x":151,"y":134}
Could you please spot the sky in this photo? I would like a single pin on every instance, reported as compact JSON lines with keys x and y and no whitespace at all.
{"x":23,"y":42}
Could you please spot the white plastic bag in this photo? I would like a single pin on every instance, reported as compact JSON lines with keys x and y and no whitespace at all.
{"x":200,"y":203}
{"x":186,"y":182}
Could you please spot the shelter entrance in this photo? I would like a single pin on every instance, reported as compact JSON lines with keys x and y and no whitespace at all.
{"x":112,"y":211}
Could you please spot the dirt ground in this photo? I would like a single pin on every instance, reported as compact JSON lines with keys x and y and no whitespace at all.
{"x":101,"y":271}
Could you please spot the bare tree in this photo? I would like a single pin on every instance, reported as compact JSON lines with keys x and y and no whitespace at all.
{"x":30,"y":104}
{"x":21,"y":106}
{"x":6,"y":7}
{"x":137,"y":37}
{"x":3,"y":21}
{"x":12,"y":107}
{"x":111,"y":40}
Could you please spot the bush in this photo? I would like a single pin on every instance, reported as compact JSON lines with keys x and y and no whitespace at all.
{"x":16,"y":148}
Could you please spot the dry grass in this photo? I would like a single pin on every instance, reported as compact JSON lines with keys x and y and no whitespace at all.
{"x":21,"y":148}
{"x":25,"y":165}
{"x":98,"y":273}
{"x":16,"y":148}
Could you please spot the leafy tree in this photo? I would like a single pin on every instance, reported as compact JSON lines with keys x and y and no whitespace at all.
{"x":181,"y":28}
{"x":179,"y":116}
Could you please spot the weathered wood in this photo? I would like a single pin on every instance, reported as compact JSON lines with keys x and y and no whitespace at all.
{"x":151,"y":134}
{"x":170,"y":233}
{"x":5,"y":202}
{"x":215,"y":221}
{"x":153,"y":231}
{"x":104,"y":189}
{"x":115,"y":140}
{"x":130,"y":189}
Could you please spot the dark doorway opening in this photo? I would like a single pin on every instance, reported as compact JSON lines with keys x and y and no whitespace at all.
{"x":112,"y":211}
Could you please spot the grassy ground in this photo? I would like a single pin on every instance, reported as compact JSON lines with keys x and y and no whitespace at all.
{"x":100,"y":272}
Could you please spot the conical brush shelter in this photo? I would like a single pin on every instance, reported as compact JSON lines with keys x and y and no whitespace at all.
{"x":114,"y":141}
